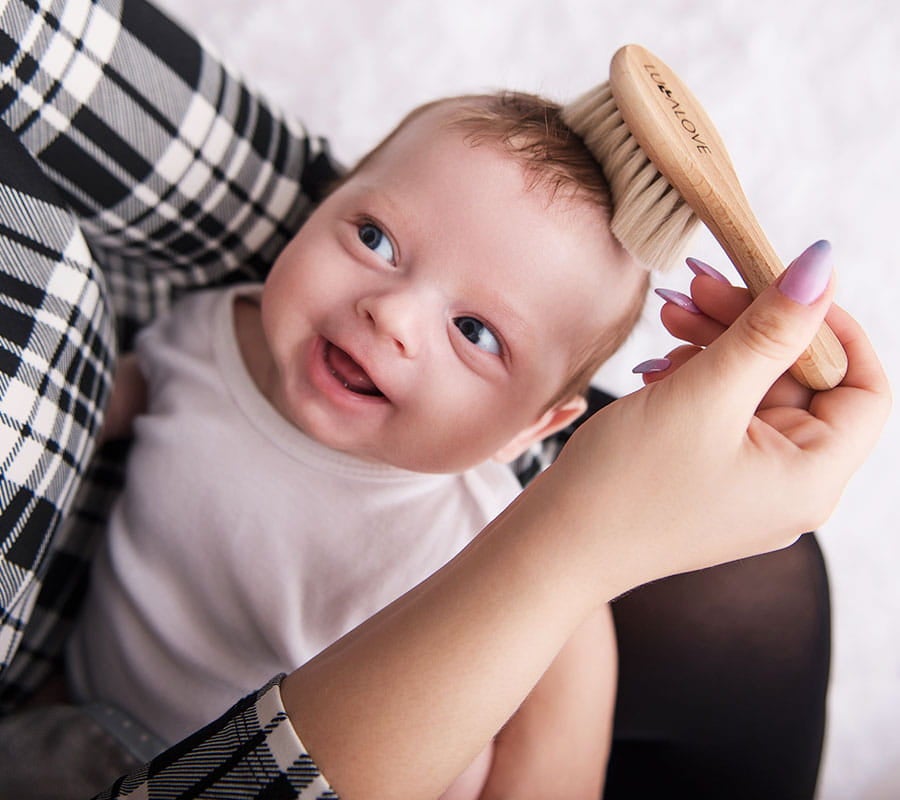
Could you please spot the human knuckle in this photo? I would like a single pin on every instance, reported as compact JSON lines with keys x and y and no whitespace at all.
{"x":819,"y":506}
{"x":764,"y":333}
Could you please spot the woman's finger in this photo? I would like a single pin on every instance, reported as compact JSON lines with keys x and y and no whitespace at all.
{"x":856,"y":409}
{"x":701,"y":318}
{"x":698,"y":329}
{"x":741,"y":366}
{"x":656,"y":369}
{"x":721,"y":301}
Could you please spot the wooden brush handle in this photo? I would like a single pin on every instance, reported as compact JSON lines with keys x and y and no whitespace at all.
{"x":676,"y":134}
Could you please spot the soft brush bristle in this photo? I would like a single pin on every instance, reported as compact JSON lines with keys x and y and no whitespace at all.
{"x":649,"y":217}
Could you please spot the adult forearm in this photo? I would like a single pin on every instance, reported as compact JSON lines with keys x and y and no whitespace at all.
{"x":557,"y":743}
{"x":401,"y":705}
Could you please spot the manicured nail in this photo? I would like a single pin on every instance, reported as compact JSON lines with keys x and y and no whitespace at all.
{"x":679,"y":299}
{"x":699,"y":267}
{"x":653,"y":365}
{"x":807,"y":277}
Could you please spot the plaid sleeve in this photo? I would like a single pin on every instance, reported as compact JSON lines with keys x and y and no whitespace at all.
{"x":252,"y":752}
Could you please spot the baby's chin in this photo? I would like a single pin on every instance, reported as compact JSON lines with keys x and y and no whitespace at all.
{"x":375,"y":433}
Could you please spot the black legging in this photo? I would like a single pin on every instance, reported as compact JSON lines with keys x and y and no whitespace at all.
{"x":723,"y":681}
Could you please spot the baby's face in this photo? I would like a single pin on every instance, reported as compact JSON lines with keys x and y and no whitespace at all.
{"x":432,"y":305}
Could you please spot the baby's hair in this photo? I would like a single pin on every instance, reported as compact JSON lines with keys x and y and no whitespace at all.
{"x":651,"y":216}
{"x":533,"y":131}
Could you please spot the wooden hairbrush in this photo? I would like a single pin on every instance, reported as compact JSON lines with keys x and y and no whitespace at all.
{"x":667,"y":166}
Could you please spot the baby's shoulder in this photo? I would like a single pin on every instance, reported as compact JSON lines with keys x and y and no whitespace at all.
{"x":192,"y":320}
{"x":183,"y":338}
{"x":492,"y":485}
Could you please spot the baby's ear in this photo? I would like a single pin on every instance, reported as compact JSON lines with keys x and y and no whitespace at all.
{"x":548,"y":423}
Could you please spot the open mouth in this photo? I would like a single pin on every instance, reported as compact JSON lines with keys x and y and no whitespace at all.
{"x":349,"y":373}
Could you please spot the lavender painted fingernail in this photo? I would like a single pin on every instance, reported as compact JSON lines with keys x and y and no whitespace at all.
{"x":679,"y":299}
{"x":699,"y":267}
{"x":807,"y":277}
{"x":653,"y":365}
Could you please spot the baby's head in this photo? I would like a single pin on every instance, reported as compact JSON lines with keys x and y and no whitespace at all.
{"x":450,"y":300}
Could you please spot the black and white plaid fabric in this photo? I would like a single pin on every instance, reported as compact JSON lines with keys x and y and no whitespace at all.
{"x":134,"y":167}
{"x":250,"y":752}
{"x":54,"y":377}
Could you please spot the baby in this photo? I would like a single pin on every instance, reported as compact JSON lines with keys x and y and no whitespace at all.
{"x":308,"y":450}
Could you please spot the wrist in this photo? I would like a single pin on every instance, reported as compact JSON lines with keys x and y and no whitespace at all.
{"x":583,"y":536}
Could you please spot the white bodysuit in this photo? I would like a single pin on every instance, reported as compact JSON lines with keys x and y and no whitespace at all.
{"x":240,"y":547}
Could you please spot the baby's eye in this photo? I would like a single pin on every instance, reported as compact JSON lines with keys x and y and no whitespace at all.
{"x":376,"y":240}
{"x":478,"y":333}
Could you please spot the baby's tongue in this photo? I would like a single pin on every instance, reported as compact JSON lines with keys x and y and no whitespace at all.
{"x":351,"y":373}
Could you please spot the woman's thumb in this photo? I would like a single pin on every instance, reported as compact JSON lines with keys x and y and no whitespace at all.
{"x":776,"y":328}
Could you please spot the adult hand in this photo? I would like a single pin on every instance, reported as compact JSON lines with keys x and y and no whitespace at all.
{"x":700,"y":319}
{"x":727,"y":457}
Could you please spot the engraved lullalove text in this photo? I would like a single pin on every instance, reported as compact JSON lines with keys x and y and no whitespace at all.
{"x":679,"y":112}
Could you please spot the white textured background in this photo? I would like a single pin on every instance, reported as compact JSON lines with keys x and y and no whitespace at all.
{"x":807,"y":97}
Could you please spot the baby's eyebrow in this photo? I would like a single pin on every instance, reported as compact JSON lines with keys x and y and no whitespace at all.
{"x":379,"y":196}
{"x":514,"y":326}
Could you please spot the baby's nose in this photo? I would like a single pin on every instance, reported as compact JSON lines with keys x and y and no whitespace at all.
{"x":396,"y":315}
